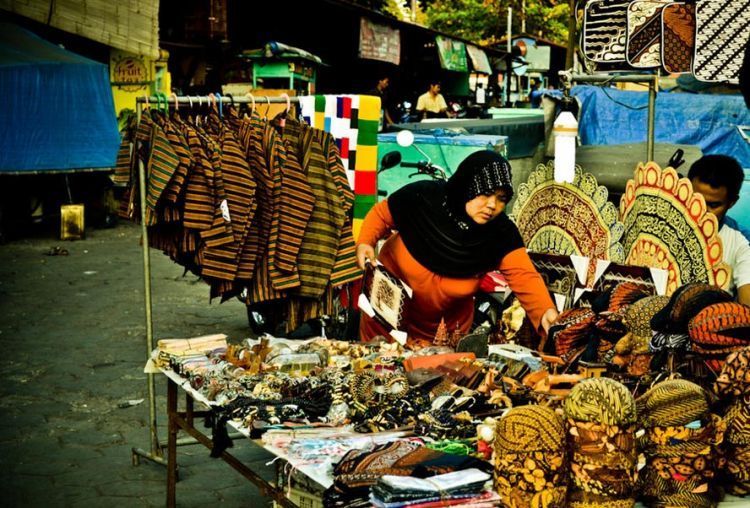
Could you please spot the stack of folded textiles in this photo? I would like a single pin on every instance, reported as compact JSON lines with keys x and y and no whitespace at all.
{"x":459,"y":489}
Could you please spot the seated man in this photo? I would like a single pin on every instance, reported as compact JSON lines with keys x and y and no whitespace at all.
{"x":431,"y":104}
{"x":719,"y":178}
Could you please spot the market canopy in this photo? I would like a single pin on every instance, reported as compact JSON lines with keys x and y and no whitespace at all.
{"x":57,"y":107}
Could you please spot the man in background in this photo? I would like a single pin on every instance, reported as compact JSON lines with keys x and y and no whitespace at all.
{"x":431,"y":104}
{"x":719,"y":178}
{"x":381,"y":90}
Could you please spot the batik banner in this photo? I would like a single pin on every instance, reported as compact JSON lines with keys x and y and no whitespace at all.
{"x":452,"y":54}
{"x":379,"y":42}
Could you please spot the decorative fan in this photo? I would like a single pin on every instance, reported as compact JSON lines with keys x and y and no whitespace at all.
{"x":568,"y":219}
{"x":668,"y":226}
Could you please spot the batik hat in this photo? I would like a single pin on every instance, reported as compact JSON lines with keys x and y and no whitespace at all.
{"x":734,"y":379}
{"x":687,"y":301}
{"x":600,"y":400}
{"x":638,"y":320}
{"x":720,"y":328}
{"x":528,"y":429}
{"x":531,"y":467}
{"x":572,"y":330}
{"x":672,"y":402}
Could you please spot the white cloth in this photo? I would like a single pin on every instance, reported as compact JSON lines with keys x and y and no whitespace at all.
{"x":736,"y":253}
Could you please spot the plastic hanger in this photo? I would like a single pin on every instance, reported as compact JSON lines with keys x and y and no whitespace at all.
{"x":268,"y":108}
{"x":176,"y":102}
{"x":220,"y":102}
{"x":252,"y":101}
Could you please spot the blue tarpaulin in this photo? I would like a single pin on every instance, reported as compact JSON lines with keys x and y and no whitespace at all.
{"x":57,"y":112}
{"x":612,"y":117}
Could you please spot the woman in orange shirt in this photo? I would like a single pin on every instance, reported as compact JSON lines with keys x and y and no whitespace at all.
{"x":447,"y":236}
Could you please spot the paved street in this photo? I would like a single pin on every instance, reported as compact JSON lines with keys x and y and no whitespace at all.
{"x":73,"y":338}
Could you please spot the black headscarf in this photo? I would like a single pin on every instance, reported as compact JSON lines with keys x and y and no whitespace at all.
{"x":431,"y":218}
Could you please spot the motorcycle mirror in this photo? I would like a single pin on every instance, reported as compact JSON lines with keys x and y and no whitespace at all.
{"x":390,"y":159}
{"x":405,"y":138}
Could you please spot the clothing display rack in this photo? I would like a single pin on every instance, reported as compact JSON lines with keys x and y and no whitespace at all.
{"x":568,"y":78}
{"x":155,"y":453}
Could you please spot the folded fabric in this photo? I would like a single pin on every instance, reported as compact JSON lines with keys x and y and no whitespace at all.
{"x":396,"y":488}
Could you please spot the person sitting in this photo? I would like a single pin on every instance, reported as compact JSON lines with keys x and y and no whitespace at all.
{"x":431,"y":104}
{"x":448,"y":235}
{"x":719,"y":179}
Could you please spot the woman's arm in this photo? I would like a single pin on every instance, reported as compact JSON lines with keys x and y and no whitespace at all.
{"x":529,"y":287}
{"x":377,"y":225}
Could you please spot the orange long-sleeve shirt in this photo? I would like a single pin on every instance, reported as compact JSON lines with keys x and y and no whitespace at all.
{"x":437,"y":297}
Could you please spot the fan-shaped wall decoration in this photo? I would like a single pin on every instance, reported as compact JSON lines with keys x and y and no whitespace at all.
{"x":568,"y":218}
{"x":668,"y":226}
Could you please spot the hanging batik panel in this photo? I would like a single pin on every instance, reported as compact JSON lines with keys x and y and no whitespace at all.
{"x":678,"y":37}
{"x":605,"y":30}
{"x":567,"y":218}
{"x":722,"y":31}
{"x":644,"y":33}
{"x":668,"y":226}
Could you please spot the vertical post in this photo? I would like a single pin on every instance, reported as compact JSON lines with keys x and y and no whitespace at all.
{"x":651,"y":117}
{"x":571,"y":36}
{"x":523,"y":16}
{"x":508,"y":57}
{"x":171,"y":443}
{"x":155,"y":449}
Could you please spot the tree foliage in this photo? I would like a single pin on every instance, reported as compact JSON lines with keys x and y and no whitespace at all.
{"x":484,"y":21}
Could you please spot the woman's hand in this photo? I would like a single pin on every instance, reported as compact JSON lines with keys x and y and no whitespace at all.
{"x":365,"y":252}
{"x":548,"y":318}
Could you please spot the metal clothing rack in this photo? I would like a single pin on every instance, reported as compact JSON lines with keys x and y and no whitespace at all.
{"x":651,"y":80}
{"x":155,"y":453}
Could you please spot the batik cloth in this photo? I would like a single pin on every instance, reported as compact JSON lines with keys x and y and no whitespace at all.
{"x":644,"y":33}
{"x":722,"y":31}
{"x":605,"y":30}
{"x":678,"y":37}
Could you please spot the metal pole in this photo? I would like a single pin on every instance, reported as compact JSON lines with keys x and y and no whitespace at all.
{"x":509,"y":57}
{"x":184,"y":99}
{"x":154,"y":454}
{"x":651,"y":119}
{"x":571,"y":36}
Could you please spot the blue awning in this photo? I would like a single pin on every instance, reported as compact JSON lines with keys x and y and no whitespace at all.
{"x":57,"y":108}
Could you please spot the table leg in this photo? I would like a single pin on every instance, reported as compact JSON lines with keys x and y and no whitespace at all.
{"x":189,"y":409}
{"x":171,"y":443}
